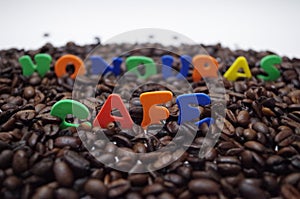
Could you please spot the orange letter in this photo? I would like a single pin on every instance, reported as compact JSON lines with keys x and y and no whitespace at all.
{"x":153,"y":114}
{"x":205,"y":66}
{"x":61,"y":65}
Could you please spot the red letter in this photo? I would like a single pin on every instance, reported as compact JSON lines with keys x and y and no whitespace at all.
{"x":104,"y":116}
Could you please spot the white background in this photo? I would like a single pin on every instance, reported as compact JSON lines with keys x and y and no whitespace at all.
{"x":257,"y":24}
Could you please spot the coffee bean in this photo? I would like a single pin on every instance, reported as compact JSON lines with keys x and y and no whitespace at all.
{"x":249,"y":134}
{"x":270,"y":182}
{"x":277,"y":164}
{"x":185,"y":172}
{"x":228,"y":128}
{"x":138,"y":179}
{"x":12,"y":182}
{"x":5,"y":158}
{"x":260,"y":127}
{"x":174,"y":178}
{"x":118,"y":187}
{"x":63,"y":141}
{"x":139,"y":148}
{"x":230,"y":116}
{"x":63,"y":173}
{"x":293,"y":179}
{"x":289,"y":192}
{"x":133,"y":195}
{"x":295,"y":161}
{"x":8,"y":106}
{"x":243,"y":118}
{"x":42,"y":167}
{"x":203,"y":186}
{"x":228,"y":165}
{"x":284,"y":137}
{"x":166,"y":195}
{"x":25,"y":115}
{"x":63,"y":193}
{"x":35,"y":79}
{"x":29,"y":92}
{"x":153,"y":189}
{"x":95,"y":188}
{"x":250,"y":191}
{"x":44,"y":192}
{"x":255,"y":146}
{"x":20,"y":161}
{"x":76,"y":161}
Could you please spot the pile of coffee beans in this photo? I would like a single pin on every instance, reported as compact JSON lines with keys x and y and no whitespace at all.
{"x":256,"y":156}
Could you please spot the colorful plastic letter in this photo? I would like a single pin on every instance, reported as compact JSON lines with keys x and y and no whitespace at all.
{"x":267,"y":63}
{"x":100,"y":66}
{"x":154,"y":114}
{"x":188,"y":112}
{"x":133,"y":62}
{"x":167,"y":60}
{"x":64,"y":107}
{"x":42,"y":66}
{"x":204,"y":66}
{"x":62,"y":62}
{"x":233,"y":72}
{"x":104,"y":116}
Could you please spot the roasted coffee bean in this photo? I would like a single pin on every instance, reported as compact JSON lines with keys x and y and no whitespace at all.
{"x":138,"y":179}
{"x":166,"y":195}
{"x":249,"y":190}
{"x":203,"y":186}
{"x":29,"y":92}
{"x":175,"y":179}
{"x":63,"y":141}
{"x":133,"y":195}
{"x":139,"y":148}
{"x":260,"y":127}
{"x":230,"y":116}
{"x":63,"y":173}
{"x":185,"y":172}
{"x":12,"y":182}
{"x":44,"y":192}
{"x":228,"y":128}
{"x":293,"y":179}
{"x":95,"y":188}
{"x":228,"y":165}
{"x":63,"y":193}
{"x":284,"y":137}
{"x":277,"y":164}
{"x":153,"y":189}
{"x":249,"y":134}
{"x":118,"y":187}
{"x":20,"y":161}
{"x":295,"y":161}
{"x":289,"y":192}
{"x":5,"y":159}
{"x":76,"y":161}
{"x":255,"y":146}
{"x":42,"y":167}
{"x":270,"y":182}
{"x":35,"y":79}
{"x":243,"y":118}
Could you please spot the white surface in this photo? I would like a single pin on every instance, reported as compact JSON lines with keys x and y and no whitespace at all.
{"x":257,"y":24}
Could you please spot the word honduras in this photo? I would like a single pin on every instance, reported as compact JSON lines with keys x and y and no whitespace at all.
{"x":204,"y":66}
